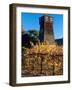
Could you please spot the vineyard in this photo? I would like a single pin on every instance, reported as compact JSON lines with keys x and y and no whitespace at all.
{"x":42,"y":60}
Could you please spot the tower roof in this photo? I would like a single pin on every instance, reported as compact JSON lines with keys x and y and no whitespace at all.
{"x":46,"y":18}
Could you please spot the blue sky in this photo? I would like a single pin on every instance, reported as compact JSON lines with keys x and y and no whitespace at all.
{"x":31,"y":21}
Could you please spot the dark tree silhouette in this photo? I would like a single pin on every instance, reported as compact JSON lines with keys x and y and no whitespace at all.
{"x":30,"y":36}
{"x":26,"y":40}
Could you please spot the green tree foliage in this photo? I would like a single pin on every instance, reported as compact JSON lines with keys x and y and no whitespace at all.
{"x":29,"y":36}
{"x":34,"y":35}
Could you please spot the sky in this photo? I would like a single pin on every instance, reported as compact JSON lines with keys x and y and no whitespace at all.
{"x":31,"y":21}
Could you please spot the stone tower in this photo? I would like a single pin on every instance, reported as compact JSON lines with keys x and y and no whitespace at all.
{"x":46,"y":29}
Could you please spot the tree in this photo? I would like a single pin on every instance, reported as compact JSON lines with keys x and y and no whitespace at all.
{"x":34,"y":33}
{"x":30,"y":36}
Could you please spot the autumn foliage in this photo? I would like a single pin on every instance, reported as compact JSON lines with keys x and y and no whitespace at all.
{"x":42,"y":59}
